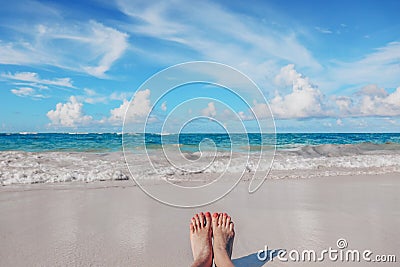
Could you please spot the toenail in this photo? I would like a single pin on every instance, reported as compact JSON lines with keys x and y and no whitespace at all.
{"x":215,"y":215}
{"x":208,"y":214}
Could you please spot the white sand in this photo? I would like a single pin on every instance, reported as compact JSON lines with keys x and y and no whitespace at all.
{"x":115,"y":224}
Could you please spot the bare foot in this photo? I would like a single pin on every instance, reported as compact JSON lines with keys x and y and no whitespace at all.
{"x":223,"y":235}
{"x":201,"y":240}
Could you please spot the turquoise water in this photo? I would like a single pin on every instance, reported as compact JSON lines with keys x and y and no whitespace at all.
{"x":110,"y":142}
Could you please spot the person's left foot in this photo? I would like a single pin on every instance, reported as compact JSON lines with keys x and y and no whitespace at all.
{"x":201,"y":239}
{"x":223,"y":234}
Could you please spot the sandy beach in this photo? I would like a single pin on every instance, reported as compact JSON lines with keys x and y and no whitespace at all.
{"x":114,"y":223}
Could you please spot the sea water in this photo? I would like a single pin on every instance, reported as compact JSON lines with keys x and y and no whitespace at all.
{"x":111,"y":142}
{"x":27,"y":158}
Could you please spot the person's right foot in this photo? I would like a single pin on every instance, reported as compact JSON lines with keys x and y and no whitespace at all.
{"x":201,"y":240}
{"x":223,"y":234}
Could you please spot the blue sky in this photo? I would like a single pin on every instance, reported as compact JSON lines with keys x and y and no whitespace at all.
{"x":323,"y":66}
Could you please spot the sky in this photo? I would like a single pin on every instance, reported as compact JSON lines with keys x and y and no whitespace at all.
{"x":322,"y":66}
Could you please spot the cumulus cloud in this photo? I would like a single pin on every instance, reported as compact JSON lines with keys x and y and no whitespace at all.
{"x":344,"y":103}
{"x":304,"y":100}
{"x":139,"y":108}
{"x":210,"y":110}
{"x":380,"y":103}
{"x":34,"y":78}
{"x":69,"y":114}
{"x":370,"y":100}
{"x":372,"y":89}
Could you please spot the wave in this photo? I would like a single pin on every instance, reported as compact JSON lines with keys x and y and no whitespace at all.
{"x":27,"y":133}
{"x":52,"y":167}
{"x":18,"y":167}
{"x":334,"y":150}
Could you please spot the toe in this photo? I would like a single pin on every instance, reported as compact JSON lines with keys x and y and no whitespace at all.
{"x":191,"y":228}
{"x":220,"y":218}
{"x":215,"y":220}
{"x":197,"y":220}
{"x":202,"y":219}
{"x":194,"y":224}
{"x":208,"y":219}
{"x":228,"y":220}
{"x":231,"y":226}
{"x":224,"y":219}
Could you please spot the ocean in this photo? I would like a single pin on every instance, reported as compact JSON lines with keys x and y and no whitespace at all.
{"x":112,"y":142}
{"x":30,"y":158}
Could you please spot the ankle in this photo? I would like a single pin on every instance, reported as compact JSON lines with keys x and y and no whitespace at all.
{"x":223,"y":261}
{"x":202,"y":263}
{"x":220,"y":249}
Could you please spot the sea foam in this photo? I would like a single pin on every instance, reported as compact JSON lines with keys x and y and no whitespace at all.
{"x":18,"y":167}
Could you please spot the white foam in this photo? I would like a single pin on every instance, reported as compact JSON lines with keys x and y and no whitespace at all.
{"x":51,"y":167}
{"x":18,"y":167}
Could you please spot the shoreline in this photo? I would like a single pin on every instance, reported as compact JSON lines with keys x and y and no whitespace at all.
{"x":327,"y":160}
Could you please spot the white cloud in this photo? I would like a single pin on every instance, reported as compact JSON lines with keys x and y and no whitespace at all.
{"x":34,"y":78}
{"x":323,"y":30}
{"x":26,"y":92}
{"x":92,"y":97}
{"x":243,"y":116}
{"x":118,"y":114}
{"x":210,"y":110}
{"x":381,"y":67}
{"x":95,"y":100}
{"x":120,"y":95}
{"x":90,"y":92}
{"x":84,"y":47}
{"x":344,"y":103}
{"x":110,"y":45}
{"x":256,"y":46}
{"x":16,"y":53}
{"x":69,"y":114}
{"x":164,"y":106}
{"x":380,"y":104}
{"x":139,"y":108}
{"x":23,"y":91}
{"x":372,"y":89}
{"x":370,"y":100}
{"x":305,"y":99}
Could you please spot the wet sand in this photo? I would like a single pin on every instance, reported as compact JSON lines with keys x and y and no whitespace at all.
{"x":114,"y":223}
